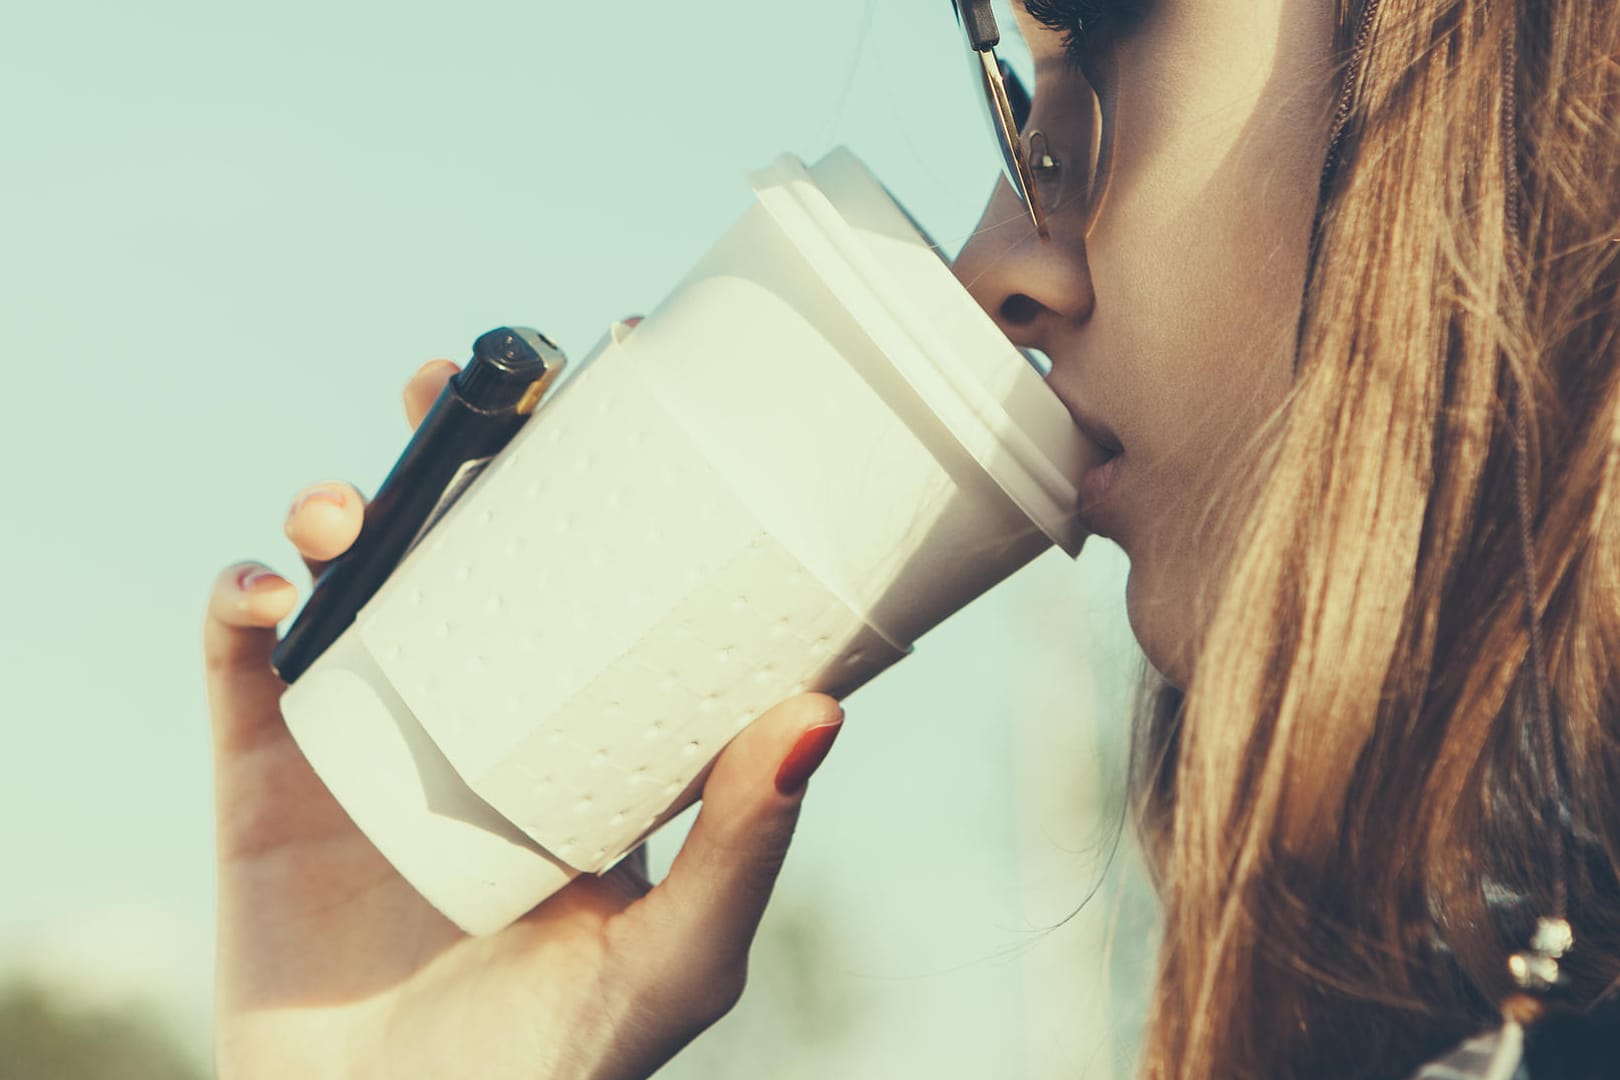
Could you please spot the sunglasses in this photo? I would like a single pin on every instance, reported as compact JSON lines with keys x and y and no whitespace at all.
{"x":1007,"y":104}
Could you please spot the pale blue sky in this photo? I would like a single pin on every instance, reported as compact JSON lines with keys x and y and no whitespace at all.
{"x":227,"y":236}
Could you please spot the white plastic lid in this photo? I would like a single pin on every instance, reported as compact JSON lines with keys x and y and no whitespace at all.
{"x":895,"y":285}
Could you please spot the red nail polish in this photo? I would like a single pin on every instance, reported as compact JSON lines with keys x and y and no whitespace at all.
{"x":807,"y":754}
{"x":256,"y":578}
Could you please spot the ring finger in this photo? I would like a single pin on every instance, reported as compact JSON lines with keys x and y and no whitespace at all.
{"x":324,"y":521}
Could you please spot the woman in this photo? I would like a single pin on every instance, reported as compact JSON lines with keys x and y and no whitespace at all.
{"x":1337,"y":282}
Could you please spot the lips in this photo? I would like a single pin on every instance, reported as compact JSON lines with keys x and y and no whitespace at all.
{"x":1095,"y":481}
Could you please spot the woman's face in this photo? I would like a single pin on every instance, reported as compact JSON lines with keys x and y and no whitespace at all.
{"x":1168,"y":292}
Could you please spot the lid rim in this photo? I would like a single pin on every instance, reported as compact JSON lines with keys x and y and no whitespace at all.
{"x":790,"y":194}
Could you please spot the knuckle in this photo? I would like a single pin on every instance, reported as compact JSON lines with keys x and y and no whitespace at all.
{"x":761,"y":844}
{"x":696,"y":987}
{"x":703,"y":997}
{"x":223,"y":651}
{"x":720,"y":993}
{"x":220,"y":662}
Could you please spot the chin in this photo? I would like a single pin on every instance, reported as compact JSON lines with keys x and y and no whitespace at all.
{"x":1160,"y":625}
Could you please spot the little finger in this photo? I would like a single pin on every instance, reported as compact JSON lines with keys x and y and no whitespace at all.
{"x":239,"y":633}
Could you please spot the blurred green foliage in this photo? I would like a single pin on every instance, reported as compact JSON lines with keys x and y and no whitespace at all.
{"x":45,"y":1038}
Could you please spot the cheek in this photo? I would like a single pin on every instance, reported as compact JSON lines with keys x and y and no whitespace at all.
{"x":1198,"y":261}
{"x":1202,"y":354}
{"x":1198,"y":256}
{"x":1196,"y":312}
{"x":1215,"y":130}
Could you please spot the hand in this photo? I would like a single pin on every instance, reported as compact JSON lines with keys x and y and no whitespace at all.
{"x":331,"y":965}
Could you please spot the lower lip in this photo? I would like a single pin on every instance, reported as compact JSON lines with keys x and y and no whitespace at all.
{"x":1095,"y":481}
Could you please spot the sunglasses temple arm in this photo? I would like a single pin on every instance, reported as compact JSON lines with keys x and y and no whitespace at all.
{"x":979,"y":19}
{"x":1017,"y":95}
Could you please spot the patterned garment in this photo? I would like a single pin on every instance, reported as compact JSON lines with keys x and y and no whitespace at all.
{"x":1495,"y":1055}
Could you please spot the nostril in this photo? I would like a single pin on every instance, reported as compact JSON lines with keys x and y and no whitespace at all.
{"x":1019,"y":310}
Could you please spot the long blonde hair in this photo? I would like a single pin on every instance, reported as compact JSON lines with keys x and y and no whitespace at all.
{"x":1352,"y":811}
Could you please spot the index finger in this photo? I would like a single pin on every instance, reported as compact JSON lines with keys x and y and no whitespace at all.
{"x":424,"y":388}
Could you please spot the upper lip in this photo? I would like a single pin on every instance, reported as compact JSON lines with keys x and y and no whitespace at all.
{"x":1098,"y":432}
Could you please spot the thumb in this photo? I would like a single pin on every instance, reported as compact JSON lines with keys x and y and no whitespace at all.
{"x":719,"y":883}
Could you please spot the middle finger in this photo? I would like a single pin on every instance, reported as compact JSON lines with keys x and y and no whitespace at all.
{"x":324,"y":522}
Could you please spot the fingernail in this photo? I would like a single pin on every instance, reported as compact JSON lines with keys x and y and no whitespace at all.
{"x":327,"y":495}
{"x":258,"y":578}
{"x":806,"y":756}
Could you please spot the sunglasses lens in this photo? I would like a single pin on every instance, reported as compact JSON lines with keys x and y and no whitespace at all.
{"x":1017,"y":95}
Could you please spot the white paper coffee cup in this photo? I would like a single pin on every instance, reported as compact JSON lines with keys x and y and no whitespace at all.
{"x":815,"y":449}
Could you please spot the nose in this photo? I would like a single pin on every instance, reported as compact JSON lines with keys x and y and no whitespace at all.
{"x":1033,"y":288}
